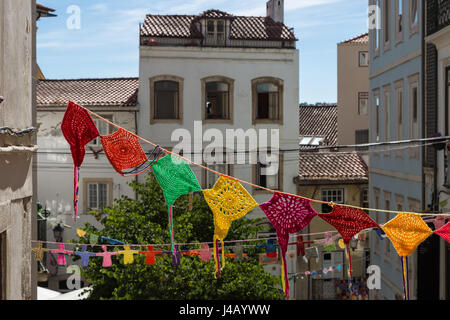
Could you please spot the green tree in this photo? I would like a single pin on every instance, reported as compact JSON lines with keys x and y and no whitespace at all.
{"x":146,"y":221}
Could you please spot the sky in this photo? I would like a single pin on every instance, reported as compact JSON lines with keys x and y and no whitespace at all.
{"x":106,"y":44}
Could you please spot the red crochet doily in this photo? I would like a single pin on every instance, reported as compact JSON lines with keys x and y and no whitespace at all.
{"x":123,"y":150}
{"x":79,"y":129}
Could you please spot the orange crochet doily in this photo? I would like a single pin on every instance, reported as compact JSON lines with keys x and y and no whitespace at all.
{"x":123,"y":150}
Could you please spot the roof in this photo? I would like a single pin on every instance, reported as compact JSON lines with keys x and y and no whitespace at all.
{"x":364,"y":38}
{"x":318,"y":167}
{"x":88,"y":92}
{"x":44,"y":8}
{"x":319,"y":121}
{"x":242,"y":27}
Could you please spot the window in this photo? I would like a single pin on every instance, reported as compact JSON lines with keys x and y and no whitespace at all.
{"x":413,"y":17}
{"x":387,"y":111}
{"x":103,"y":128}
{"x":217,"y":98}
{"x":331,"y":195}
{"x":365,"y":198}
{"x":363,"y":58}
{"x":215,"y":35}
{"x":166,"y":99}
{"x":376,"y":32}
{"x":399,"y":111}
{"x":399,"y":20}
{"x":363,"y":103}
{"x":386,"y":24}
{"x":267,"y":100}
{"x":377,"y":110}
{"x":414,"y":113}
{"x":97,"y":196}
{"x":267,"y":177}
{"x":97,"y":193}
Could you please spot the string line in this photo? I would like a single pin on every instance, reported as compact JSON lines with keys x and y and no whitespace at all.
{"x":249,"y":183}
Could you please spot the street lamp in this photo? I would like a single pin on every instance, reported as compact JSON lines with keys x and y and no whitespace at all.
{"x":354,"y":244}
{"x":57,"y":233}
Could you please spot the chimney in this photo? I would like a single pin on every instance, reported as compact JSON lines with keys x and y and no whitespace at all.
{"x":275,"y":10}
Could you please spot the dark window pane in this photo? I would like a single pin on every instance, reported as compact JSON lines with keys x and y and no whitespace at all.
{"x":266,"y":87}
{"x":166,"y":100}
{"x":263,"y":105}
{"x":220,"y":26}
{"x":210,"y":26}
{"x":217,"y":100}
{"x":217,"y":86}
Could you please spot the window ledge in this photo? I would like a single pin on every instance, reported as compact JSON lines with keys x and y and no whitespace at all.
{"x":154,"y":121}
{"x":226,"y":121}
{"x":267,"y":121}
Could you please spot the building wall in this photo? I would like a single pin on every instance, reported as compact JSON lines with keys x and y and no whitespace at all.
{"x":55,"y":176}
{"x":352,"y":80}
{"x":242,"y":65}
{"x":438,"y":64}
{"x":17,"y":210}
{"x":395,"y":173}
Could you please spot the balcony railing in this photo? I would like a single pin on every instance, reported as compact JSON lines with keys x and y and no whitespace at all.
{"x":438,"y":15}
{"x":443,"y":14}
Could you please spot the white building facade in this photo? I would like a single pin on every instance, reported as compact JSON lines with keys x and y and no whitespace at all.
{"x":113,"y":99}
{"x":215,"y":72}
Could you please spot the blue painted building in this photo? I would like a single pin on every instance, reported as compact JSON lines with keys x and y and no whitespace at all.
{"x":395,"y":114}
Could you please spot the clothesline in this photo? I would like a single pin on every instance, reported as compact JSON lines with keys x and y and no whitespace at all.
{"x":252,"y":184}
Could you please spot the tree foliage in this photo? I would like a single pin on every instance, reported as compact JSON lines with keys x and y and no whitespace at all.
{"x":145,"y":220}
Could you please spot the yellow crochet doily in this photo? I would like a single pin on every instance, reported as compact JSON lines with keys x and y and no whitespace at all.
{"x":228,"y":201}
{"x":406,"y":231}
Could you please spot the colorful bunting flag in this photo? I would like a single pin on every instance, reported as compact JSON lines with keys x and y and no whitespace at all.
{"x":61,"y":254}
{"x":150,"y":255}
{"x":106,"y":256}
{"x":287,"y":214}
{"x":123,"y":150}
{"x":128,"y":254}
{"x":85,"y":255}
{"x":205,"y":253}
{"x":406,"y":231}
{"x":79,"y":129}
{"x":39,"y":252}
{"x":444,"y":232}
{"x":176,"y":179}
{"x":228,"y":201}
{"x":348,"y":222}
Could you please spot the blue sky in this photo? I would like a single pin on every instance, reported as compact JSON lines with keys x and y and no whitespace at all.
{"x":107,"y":44}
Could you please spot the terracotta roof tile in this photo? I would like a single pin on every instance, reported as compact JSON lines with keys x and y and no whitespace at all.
{"x":88,"y":92}
{"x":319,"y":121}
{"x":317,"y":166}
{"x":173,"y":26}
{"x":364,"y":38}
{"x":242,"y":27}
{"x":213,"y":13}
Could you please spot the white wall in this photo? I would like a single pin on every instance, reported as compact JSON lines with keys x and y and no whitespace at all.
{"x":242,"y":65}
